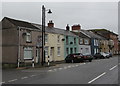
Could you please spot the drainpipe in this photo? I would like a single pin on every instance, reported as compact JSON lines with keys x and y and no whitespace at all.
{"x":18,"y":47}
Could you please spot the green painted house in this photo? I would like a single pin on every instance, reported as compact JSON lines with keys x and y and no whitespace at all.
{"x":70,"y":42}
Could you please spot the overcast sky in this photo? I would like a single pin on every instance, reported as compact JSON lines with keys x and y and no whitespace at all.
{"x":87,"y":14}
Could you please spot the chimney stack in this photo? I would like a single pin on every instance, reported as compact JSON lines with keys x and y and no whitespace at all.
{"x":76,"y":28}
{"x":50,"y":24}
{"x":67,"y":28}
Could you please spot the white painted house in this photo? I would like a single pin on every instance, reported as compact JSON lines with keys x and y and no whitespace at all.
{"x":84,"y":40}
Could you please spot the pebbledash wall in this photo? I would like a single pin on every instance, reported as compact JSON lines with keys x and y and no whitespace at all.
{"x":19,"y":39}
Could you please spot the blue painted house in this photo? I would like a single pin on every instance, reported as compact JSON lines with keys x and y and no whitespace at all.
{"x":95,"y":41}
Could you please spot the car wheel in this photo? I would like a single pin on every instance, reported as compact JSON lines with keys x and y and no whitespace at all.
{"x":90,"y":60}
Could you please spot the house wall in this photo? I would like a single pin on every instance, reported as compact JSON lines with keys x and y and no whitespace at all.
{"x":10,"y":39}
{"x":119,"y":48}
{"x":53,"y":44}
{"x":9,"y":45}
{"x":115,"y":49}
{"x":69,"y":46}
{"x":84,"y":49}
{"x":115,"y":39}
{"x":33,"y":44}
{"x":94,"y":48}
{"x":104,"y":46}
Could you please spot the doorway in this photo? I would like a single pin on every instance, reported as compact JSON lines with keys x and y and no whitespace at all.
{"x":71,"y":50}
{"x":52,"y":53}
{"x":37,"y":55}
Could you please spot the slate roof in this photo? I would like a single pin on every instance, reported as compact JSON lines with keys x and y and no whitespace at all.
{"x":81,"y":34}
{"x":103,"y":31}
{"x":93,"y":35}
{"x":55,"y":30}
{"x":20,"y":23}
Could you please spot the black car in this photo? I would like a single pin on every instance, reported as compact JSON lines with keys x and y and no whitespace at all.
{"x":78,"y":57}
{"x":88,"y":57}
{"x":72,"y":58}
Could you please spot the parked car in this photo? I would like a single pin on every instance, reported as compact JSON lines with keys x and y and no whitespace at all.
{"x":109,"y":54}
{"x":98,"y":56}
{"x":78,"y":57}
{"x":71,"y":58}
{"x":88,"y":57}
{"x":101,"y":55}
{"x":104,"y":55}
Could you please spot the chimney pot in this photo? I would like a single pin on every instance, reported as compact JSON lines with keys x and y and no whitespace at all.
{"x":67,"y":27}
{"x":50,"y":24}
{"x":76,"y":28}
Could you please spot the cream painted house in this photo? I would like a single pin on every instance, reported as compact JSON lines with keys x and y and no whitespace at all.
{"x":104,"y":45}
{"x":54,"y":42}
{"x":54,"y":47}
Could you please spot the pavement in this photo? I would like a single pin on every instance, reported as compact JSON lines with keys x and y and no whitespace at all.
{"x":100,"y":71}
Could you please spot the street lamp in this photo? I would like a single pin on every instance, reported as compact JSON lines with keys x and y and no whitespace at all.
{"x":43,"y":33}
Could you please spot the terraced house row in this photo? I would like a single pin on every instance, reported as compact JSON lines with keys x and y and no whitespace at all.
{"x":21,"y":41}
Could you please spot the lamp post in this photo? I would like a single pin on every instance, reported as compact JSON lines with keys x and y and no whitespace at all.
{"x":43,"y":33}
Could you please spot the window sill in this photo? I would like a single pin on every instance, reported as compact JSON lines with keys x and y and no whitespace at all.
{"x":58,"y":55}
{"x":27,"y":58}
{"x":28,"y":41}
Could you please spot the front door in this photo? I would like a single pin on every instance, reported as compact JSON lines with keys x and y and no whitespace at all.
{"x":37,"y":55}
{"x":52,"y":54}
{"x":71,"y":50}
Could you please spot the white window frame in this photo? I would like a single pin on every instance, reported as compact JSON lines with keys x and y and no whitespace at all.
{"x":94,"y":42}
{"x":81,"y":41}
{"x":26,"y":49}
{"x":95,"y":51}
{"x":86,"y":41}
{"x":28,"y":37}
{"x":46,"y":51}
{"x":58,"y":51}
{"x":46,"y":38}
{"x":58,"y":38}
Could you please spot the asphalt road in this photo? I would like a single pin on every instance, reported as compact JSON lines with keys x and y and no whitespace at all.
{"x":101,"y":71}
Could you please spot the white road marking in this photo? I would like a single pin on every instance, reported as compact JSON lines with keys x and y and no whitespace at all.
{"x":60,"y":68}
{"x":12,"y":80}
{"x":113,"y":67}
{"x":32,"y":75}
{"x":55,"y":69}
{"x":69,"y":66}
{"x":49,"y":70}
{"x":24,"y":77}
{"x":65,"y":67}
{"x":76,"y":65}
{"x":97,"y":77}
{"x":73,"y":66}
